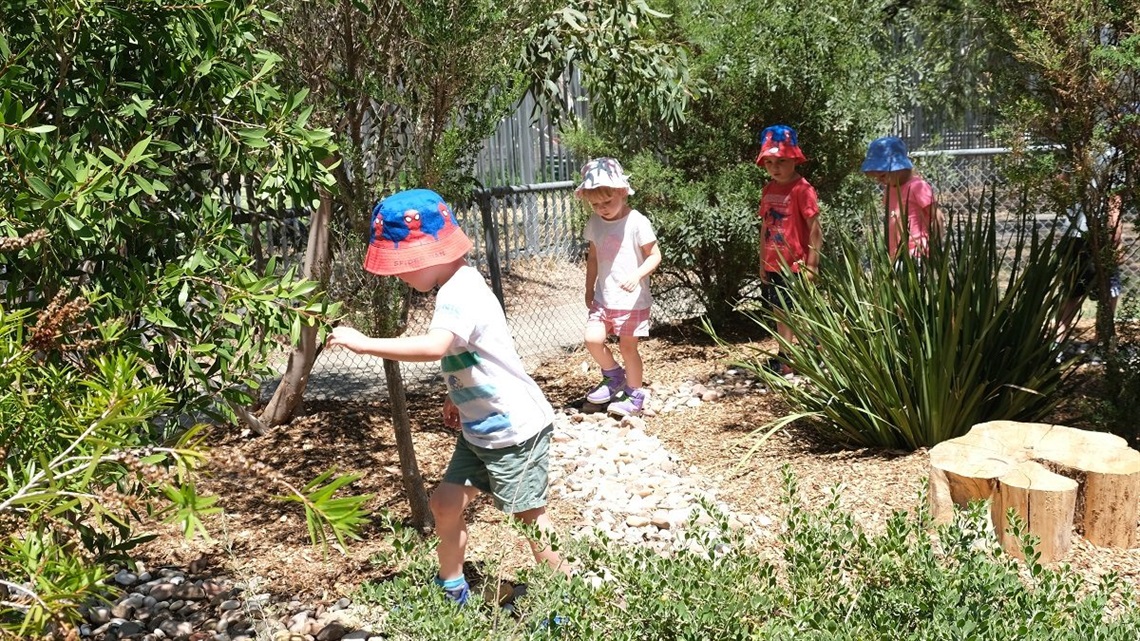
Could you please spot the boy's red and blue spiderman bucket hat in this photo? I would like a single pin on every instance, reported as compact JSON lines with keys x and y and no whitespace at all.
{"x":412,"y":230}
{"x":779,"y":141}
{"x":888,"y":153}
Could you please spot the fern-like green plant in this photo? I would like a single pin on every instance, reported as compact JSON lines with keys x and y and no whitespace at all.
{"x":343,"y":516}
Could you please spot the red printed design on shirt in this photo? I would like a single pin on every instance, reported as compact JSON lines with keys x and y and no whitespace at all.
{"x":785,"y":209}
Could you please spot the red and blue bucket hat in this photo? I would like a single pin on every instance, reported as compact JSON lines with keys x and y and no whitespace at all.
{"x":412,"y":230}
{"x":779,"y":141}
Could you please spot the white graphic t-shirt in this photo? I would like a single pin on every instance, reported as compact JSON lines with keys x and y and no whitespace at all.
{"x":499,"y":404}
{"x":618,"y":246}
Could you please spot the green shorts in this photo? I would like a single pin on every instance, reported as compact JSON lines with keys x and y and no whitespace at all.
{"x":514,"y":476}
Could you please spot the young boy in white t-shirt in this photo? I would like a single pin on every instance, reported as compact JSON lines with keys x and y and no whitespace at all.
{"x":504,"y":418}
{"x":623,"y":253}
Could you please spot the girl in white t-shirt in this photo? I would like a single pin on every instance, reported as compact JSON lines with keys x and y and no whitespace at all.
{"x":623,"y":253}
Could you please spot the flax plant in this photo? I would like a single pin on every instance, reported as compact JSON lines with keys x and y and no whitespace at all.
{"x":908,"y":353}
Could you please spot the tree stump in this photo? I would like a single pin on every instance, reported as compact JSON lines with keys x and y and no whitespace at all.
{"x":1053,"y":476}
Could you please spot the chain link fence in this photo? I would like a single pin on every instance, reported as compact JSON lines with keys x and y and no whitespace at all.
{"x":966,"y":179}
{"x":528,"y":244}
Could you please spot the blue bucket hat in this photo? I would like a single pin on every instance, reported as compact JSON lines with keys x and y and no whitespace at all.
{"x":886,"y":154}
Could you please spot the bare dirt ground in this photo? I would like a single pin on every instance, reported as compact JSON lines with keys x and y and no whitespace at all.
{"x":264,"y":540}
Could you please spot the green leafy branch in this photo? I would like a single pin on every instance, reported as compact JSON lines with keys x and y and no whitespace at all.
{"x":344,"y":516}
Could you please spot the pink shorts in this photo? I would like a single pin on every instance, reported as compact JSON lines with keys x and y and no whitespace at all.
{"x":620,"y":322}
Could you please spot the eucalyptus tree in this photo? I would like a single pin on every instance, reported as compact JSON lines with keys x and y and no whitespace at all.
{"x":1075,"y":84}
{"x":1063,"y":80}
{"x":411,"y":90}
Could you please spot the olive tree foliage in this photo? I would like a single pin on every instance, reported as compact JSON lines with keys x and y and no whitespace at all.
{"x":130,"y":303}
{"x":411,"y":90}
{"x":637,"y":76}
{"x":941,"y":58}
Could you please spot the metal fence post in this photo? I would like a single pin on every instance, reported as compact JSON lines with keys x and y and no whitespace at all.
{"x":491,"y":244}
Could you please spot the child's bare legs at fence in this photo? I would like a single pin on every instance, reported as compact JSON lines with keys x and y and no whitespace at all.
{"x":541,"y":549}
{"x":596,"y":345}
{"x":631,"y":358}
{"x":448,"y":503}
{"x":1068,"y":314}
{"x":1067,"y":317}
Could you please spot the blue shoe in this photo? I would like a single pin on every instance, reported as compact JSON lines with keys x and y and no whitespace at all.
{"x":457,"y":594}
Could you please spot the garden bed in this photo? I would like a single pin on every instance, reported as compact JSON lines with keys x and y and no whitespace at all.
{"x":264,"y":541}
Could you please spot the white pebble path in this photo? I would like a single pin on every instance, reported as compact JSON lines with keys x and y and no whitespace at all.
{"x":634,"y":490}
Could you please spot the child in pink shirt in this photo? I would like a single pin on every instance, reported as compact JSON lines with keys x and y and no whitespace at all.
{"x":888,"y":164}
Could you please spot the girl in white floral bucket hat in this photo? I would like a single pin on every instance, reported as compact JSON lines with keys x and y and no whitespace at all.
{"x":603,"y":172}
{"x":622,"y":254}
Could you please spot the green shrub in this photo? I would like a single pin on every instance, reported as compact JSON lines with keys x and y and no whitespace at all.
{"x":908,"y":584}
{"x":708,"y":231}
{"x":128,"y":167}
{"x":79,"y":463}
{"x":834,"y":581}
{"x":84,"y":461}
{"x":908,"y":356}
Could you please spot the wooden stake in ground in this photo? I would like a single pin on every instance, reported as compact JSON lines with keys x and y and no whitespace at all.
{"x":1053,"y":476}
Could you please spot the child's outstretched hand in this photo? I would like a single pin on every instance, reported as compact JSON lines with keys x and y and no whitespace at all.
{"x":346,"y":337}
{"x":450,"y":414}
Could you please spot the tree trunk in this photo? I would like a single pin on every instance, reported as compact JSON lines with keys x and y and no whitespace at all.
{"x":290,"y":392}
{"x":1051,"y":475}
{"x":1105,"y":259}
{"x":409,"y":469}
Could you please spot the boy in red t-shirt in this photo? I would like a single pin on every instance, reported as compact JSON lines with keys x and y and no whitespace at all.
{"x":790,"y":234}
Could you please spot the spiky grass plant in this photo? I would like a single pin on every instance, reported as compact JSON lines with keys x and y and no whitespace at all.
{"x":909,"y":353}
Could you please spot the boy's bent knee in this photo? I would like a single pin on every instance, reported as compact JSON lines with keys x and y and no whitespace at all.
{"x":448,"y":500}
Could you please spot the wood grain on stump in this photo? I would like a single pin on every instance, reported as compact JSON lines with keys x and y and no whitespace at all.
{"x":1053,"y":476}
